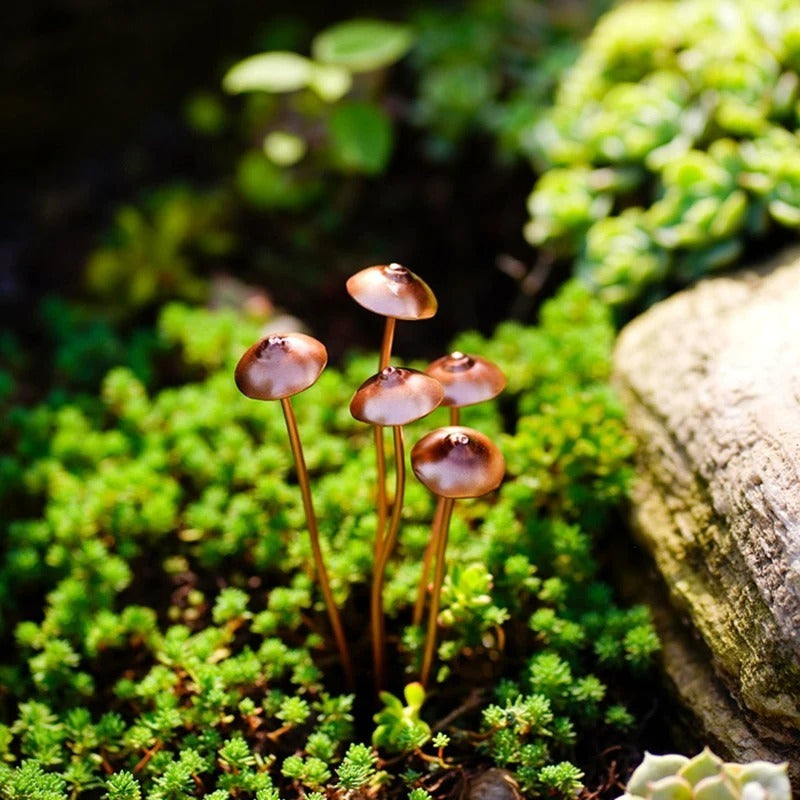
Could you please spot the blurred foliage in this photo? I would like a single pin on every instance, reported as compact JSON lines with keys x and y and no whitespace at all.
{"x":308,"y":117}
{"x":673,"y":141}
{"x":490,"y":68}
{"x":155,"y":250}
{"x":168,"y":633}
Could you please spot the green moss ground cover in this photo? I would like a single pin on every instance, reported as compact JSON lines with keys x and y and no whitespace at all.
{"x":164,"y":634}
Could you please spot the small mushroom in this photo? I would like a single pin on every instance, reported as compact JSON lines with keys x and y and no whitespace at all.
{"x":452,"y":462}
{"x":275,"y":368}
{"x":280,"y":366}
{"x":395,"y":292}
{"x":467,"y":380}
{"x":394,"y":397}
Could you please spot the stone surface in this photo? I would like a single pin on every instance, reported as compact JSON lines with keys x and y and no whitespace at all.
{"x":711,"y":382}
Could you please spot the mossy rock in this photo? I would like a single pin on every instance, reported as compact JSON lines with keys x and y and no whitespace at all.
{"x":711,"y":384}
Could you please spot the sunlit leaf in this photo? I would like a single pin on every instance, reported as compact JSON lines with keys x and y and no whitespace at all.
{"x":361,"y":45}
{"x":277,"y":71}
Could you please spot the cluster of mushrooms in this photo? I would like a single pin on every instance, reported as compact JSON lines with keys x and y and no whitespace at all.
{"x":452,"y":462}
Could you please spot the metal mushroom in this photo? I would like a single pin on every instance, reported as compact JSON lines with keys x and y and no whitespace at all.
{"x":275,"y":368}
{"x":395,"y":292}
{"x":394,"y":397}
{"x":452,"y":462}
{"x":466,"y":380}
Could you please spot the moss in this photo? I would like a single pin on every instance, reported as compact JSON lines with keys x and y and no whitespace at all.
{"x":180,"y":648}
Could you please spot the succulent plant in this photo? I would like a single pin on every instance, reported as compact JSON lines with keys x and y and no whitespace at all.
{"x":672,"y":142}
{"x":706,"y":777}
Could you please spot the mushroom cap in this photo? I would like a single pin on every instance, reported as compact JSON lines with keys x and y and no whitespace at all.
{"x":280,"y":365}
{"x":396,"y":396}
{"x":393,"y":291}
{"x":458,"y":462}
{"x":467,"y":379}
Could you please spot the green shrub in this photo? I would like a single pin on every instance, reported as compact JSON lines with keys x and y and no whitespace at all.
{"x":490,"y":69}
{"x":672,"y":142}
{"x":181,"y":648}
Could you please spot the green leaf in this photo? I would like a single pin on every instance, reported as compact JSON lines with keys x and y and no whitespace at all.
{"x":361,"y":137}
{"x":266,"y":185}
{"x":331,"y":83}
{"x":277,"y":71}
{"x":284,"y":148}
{"x":362,"y":45}
{"x":415,"y":695}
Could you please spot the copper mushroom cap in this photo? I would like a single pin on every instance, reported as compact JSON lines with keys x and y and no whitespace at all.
{"x":458,"y":462}
{"x":392,"y":291}
{"x":280,"y":365}
{"x":396,"y":396}
{"x":467,"y":379}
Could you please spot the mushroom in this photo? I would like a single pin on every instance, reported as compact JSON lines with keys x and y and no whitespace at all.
{"x":392,"y":291}
{"x":452,"y":462}
{"x":467,"y":380}
{"x":394,"y":397}
{"x":275,"y":368}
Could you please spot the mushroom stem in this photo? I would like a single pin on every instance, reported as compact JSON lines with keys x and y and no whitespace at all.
{"x":386,"y":345}
{"x":378,"y":576}
{"x":382,"y":500}
{"x":422,"y":589}
{"x":380,"y":450}
{"x":311,"y":519}
{"x":419,"y":605}
{"x":433,"y":613}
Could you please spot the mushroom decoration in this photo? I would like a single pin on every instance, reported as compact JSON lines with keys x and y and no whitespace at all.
{"x":394,"y":397}
{"x":466,"y":380}
{"x":275,"y":368}
{"x":452,"y":462}
{"x":394,"y":292}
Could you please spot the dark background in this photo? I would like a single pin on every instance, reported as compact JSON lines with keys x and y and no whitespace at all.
{"x":93,"y":92}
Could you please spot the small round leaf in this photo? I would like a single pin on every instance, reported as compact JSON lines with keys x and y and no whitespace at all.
{"x":361,"y":45}
{"x":277,"y":71}
{"x":361,"y":137}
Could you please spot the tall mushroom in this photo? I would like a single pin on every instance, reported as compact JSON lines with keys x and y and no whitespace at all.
{"x":394,"y":292}
{"x":275,"y":368}
{"x":394,"y":397}
{"x":452,"y":462}
{"x":467,"y":380}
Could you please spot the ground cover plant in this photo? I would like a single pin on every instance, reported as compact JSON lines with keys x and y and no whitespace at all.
{"x":181,"y":648}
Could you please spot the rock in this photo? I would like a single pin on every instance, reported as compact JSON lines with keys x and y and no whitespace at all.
{"x":494,"y":784}
{"x":711,"y":382}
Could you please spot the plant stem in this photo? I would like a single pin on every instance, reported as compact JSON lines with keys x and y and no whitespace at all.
{"x":377,"y":621}
{"x":433,"y":613}
{"x":311,"y":519}
{"x":419,"y":604}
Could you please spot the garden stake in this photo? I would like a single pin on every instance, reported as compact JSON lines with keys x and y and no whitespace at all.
{"x":466,"y":380}
{"x":275,"y":368}
{"x":394,"y":397}
{"x":452,"y":462}
{"x":394,"y":292}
